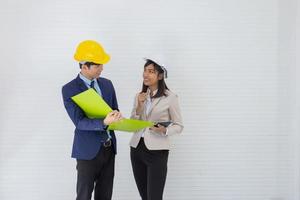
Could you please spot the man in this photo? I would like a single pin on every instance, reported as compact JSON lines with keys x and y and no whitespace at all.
{"x":93,"y":147}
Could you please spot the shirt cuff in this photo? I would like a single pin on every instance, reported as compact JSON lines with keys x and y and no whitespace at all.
{"x":166,"y":132}
{"x":105,"y":127}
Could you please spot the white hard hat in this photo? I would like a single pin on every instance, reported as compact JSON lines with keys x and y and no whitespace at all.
{"x":159,"y":61}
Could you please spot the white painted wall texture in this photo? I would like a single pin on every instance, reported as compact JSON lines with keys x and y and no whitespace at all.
{"x":232,"y":63}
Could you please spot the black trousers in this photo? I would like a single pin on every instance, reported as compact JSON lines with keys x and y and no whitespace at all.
{"x":150,"y":171}
{"x":96,"y":174}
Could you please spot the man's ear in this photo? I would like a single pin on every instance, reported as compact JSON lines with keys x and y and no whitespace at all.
{"x":84,"y":66}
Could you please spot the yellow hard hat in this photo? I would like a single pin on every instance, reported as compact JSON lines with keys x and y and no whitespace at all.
{"x":91,"y":51}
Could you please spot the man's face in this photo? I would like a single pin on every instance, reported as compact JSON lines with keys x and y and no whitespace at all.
{"x":93,"y":72}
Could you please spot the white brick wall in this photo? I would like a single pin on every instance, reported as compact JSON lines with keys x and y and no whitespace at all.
{"x":232,"y":63}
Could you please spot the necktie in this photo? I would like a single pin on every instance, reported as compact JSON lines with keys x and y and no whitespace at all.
{"x":93,"y":85}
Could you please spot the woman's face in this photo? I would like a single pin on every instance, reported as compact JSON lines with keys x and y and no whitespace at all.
{"x":150,"y":76}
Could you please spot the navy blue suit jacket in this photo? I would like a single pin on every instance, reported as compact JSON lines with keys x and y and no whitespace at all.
{"x":89,"y":133}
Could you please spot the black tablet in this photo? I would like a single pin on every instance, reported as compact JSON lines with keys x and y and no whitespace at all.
{"x":165,"y":124}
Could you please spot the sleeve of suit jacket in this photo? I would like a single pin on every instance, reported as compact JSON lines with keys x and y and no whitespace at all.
{"x":134,"y":115}
{"x":77,"y":116}
{"x":175,"y":116}
{"x":114,"y":98}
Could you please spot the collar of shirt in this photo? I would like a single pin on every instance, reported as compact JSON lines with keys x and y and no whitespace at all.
{"x":149,"y":100}
{"x":153,"y":93}
{"x":88,"y":82}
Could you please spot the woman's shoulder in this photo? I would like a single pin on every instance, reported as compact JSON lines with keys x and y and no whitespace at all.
{"x":171,"y":94}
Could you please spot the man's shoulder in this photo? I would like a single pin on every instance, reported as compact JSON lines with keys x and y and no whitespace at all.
{"x":71,"y":83}
{"x":104,"y":80}
{"x":171,"y":95}
{"x":71,"y":88}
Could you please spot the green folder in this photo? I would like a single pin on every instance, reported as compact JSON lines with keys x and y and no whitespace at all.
{"x":130,"y":125}
{"x":95,"y":107}
{"x":92,"y":104}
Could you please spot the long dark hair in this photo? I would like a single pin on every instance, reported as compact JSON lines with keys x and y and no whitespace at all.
{"x":162,"y":86}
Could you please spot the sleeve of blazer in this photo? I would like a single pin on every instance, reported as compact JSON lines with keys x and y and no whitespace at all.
{"x":114,"y":98}
{"x":78,"y":117}
{"x":134,"y":115}
{"x":175,"y":115}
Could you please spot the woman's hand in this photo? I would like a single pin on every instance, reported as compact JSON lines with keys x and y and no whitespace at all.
{"x":159,"y":129}
{"x":113,"y":116}
{"x":141,"y":100}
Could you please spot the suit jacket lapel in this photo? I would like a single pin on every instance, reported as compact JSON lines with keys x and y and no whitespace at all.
{"x":103,"y":91}
{"x":154,"y":103}
{"x":81,"y":84}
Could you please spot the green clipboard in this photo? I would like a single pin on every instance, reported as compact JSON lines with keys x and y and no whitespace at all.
{"x":92,"y":104}
{"x":130,"y":125}
{"x":95,"y":107}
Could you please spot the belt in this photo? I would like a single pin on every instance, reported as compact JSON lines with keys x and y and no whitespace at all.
{"x":107,"y":143}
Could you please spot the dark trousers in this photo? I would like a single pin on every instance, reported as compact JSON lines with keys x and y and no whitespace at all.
{"x":150,"y":171}
{"x":97,"y":174}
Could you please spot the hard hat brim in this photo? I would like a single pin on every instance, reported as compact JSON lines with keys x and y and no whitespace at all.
{"x":105,"y":59}
{"x":154,"y":60}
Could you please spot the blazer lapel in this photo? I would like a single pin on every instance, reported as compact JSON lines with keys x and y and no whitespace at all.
{"x":154,"y":103}
{"x":103,"y":91}
{"x":81,"y":84}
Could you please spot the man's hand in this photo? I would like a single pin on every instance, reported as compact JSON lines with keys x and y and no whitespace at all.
{"x":114,"y":116}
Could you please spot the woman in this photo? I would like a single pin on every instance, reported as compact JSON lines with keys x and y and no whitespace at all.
{"x":150,"y":146}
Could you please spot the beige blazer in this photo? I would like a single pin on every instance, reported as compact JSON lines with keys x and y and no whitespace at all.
{"x":165,"y":108}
